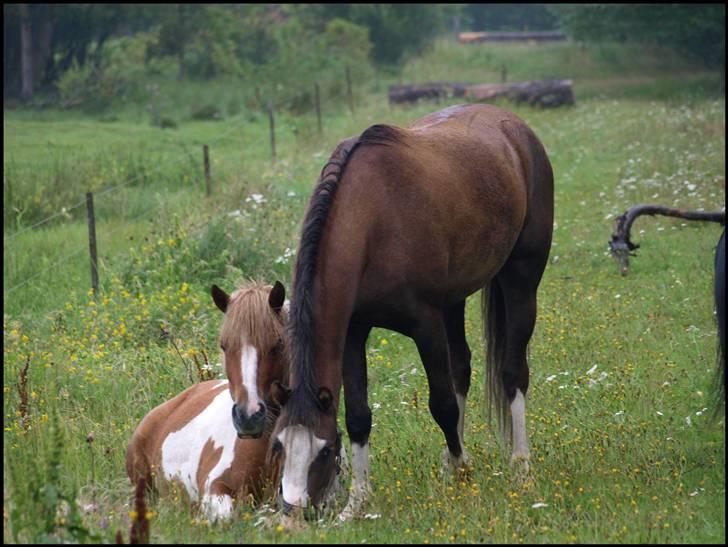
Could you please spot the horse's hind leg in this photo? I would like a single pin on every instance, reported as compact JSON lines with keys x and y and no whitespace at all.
{"x":430,"y":336}
{"x":459,"y":361}
{"x":518,"y":281}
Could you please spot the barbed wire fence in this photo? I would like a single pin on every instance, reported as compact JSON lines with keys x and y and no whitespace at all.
{"x":306,"y":102}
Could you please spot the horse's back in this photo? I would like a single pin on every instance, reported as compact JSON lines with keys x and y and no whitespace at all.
{"x":454,"y":192}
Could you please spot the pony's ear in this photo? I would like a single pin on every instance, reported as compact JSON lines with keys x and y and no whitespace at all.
{"x":325,"y":398}
{"x":220,"y":297}
{"x":277,"y":296}
{"x":279,"y":393}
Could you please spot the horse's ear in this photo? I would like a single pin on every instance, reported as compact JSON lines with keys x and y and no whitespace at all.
{"x":325,"y":398}
{"x":279,"y":393}
{"x":277,"y":296}
{"x":220,"y":297}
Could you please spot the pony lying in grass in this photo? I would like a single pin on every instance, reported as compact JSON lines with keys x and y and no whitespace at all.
{"x":213,"y":437}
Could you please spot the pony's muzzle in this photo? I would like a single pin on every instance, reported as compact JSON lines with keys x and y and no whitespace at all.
{"x":249,"y":426}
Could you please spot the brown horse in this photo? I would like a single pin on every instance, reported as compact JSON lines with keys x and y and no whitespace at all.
{"x":402,"y":227}
{"x":192,"y":439}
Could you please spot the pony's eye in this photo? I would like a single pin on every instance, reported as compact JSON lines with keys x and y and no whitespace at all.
{"x":325,"y":451}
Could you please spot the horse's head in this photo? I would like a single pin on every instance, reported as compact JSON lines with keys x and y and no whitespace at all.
{"x":252,"y":338}
{"x":308,"y":446}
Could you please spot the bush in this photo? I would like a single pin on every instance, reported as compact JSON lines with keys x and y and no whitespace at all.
{"x":118,"y":76}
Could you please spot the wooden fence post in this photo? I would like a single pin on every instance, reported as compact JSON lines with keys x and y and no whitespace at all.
{"x":318,"y":107}
{"x":206,"y":155}
{"x":92,"y":241}
{"x":504,"y":73}
{"x":272,"y":124}
{"x":348,"y":89}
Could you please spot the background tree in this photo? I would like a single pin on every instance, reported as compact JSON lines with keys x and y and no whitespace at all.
{"x":509,"y":17}
{"x":59,"y":35}
{"x":694,"y":29}
{"x":396,"y":31}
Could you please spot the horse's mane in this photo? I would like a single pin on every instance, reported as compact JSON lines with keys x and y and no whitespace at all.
{"x":301,"y":327}
{"x":249,"y":319}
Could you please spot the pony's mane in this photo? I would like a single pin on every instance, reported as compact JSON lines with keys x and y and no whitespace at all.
{"x":301,"y":328}
{"x":250,"y":320}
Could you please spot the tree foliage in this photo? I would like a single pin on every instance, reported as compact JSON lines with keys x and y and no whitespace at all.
{"x":509,"y":17}
{"x":694,"y":29}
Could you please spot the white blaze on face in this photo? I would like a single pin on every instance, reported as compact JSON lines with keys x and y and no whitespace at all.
{"x":301,"y":448}
{"x":249,"y":372}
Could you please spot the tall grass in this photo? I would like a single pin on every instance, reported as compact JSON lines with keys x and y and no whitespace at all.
{"x":619,"y":406}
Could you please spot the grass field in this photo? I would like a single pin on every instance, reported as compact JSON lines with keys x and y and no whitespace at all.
{"x":625,"y":448}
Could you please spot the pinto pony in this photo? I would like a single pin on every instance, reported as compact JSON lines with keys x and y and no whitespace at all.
{"x":404,"y":225}
{"x":213,"y":437}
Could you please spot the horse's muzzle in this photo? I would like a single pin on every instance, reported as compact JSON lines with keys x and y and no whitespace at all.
{"x":309,"y":513}
{"x":249,"y":426}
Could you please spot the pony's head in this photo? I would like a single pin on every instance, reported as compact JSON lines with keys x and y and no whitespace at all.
{"x":252,"y":338}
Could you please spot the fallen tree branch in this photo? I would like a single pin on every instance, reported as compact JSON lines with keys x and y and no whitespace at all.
{"x":622,"y":247}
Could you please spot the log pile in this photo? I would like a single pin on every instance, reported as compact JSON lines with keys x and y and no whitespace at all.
{"x":544,"y":93}
{"x":538,"y":36}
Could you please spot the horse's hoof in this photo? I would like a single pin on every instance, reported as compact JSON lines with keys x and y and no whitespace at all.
{"x":459,"y":468}
{"x":522,"y":476}
{"x":291,"y":524}
{"x":351,"y":511}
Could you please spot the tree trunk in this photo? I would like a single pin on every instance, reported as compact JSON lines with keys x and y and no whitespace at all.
{"x":42,"y":54}
{"x":26,"y":54}
{"x":181,"y":65}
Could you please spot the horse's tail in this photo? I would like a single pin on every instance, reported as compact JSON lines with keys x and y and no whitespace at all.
{"x":719,"y":293}
{"x":494,"y":334}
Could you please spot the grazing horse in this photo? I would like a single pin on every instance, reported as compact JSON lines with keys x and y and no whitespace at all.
{"x":719,"y":293}
{"x":192,"y":438}
{"x":404,"y":225}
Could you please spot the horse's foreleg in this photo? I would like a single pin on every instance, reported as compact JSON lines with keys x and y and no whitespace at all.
{"x":358,"y":418}
{"x":217,"y":502}
{"x":430,"y":336}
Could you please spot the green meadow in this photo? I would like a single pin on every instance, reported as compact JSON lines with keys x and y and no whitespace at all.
{"x":627,"y":440}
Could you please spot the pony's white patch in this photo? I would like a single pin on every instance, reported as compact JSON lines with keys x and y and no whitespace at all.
{"x":249,"y":371}
{"x":518,"y":416}
{"x":287,"y":306}
{"x":182,"y":449}
{"x":217,"y":507}
{"x":359,"y":481}
{"x":301,"y":447}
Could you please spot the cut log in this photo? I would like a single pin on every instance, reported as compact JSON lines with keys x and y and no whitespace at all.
{"x":537,"y":36}
{"x":544,"y":93}
{"x":414,"y":92}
